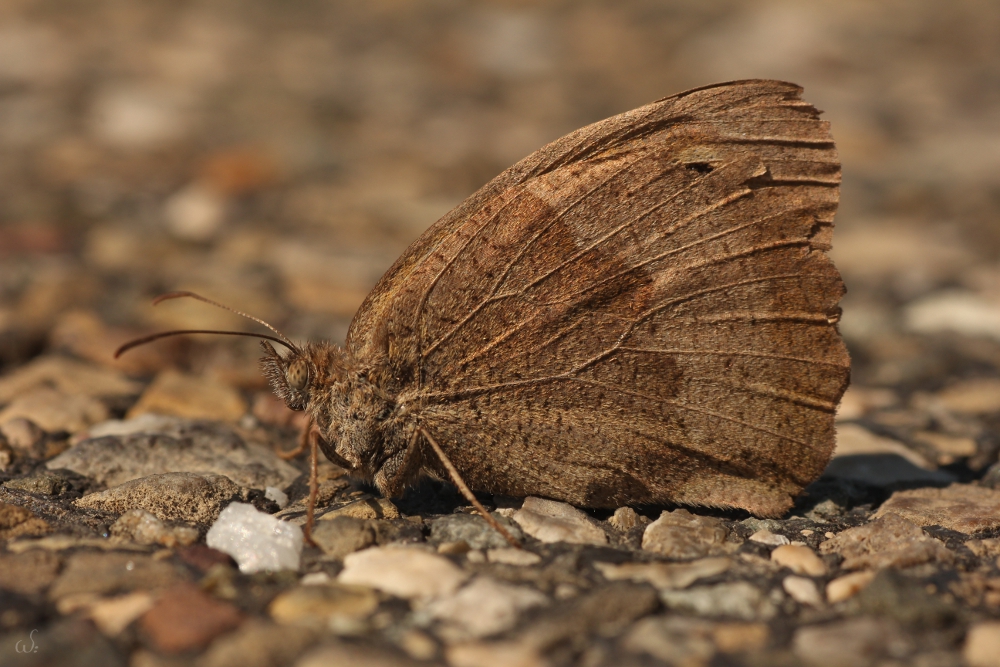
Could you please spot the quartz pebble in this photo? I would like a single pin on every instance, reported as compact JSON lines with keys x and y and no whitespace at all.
{"x":405,"y":572}
{"x":256,"y":541}
{"x":279,"y":497}
{"x":799,"y":559}
{"x":553,"y":521}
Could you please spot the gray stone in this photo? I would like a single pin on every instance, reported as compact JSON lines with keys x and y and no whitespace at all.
{"x":906,"y":600}
{"x":473,"y":530}
{"x":739,"y":599}
{"x":665,"y":575}
{"x":675,"y":640}
{"x":553,"y":521}
{"x":482,"y":608}
{"x":96,"y":573}
{"x":606,"y":612}
{"x":175,"y":445}
{"x":680,"y":534}
{"x":41,"y":483}
{"x":177,"y":496}
{"x":406,"y":572}
{"x":257,"y":643}
{"x":343,"y":535}
{"x":853,"y":642}
{"x":29,"y":572}
{"x":341,"y":653}
{"x":325,"y":606}
{"x":142,"y":527}
{"x":889,"y":541}
{"x":959,"y":507}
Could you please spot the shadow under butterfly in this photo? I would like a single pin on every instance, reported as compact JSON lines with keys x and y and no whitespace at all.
{"x":641,"y":312}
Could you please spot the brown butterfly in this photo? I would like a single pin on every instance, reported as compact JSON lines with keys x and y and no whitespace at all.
{"x":641,"y":312}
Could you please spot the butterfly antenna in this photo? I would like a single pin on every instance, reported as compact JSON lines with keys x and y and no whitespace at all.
{"x":176,"y":332}
{"x":192,"y":295}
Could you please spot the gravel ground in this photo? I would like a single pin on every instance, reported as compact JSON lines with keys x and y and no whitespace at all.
{"x":278,"y":157}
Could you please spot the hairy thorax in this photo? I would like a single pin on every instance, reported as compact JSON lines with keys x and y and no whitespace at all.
{"x":366,"y":430}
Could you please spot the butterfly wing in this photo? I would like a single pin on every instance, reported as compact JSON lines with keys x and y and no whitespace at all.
{"x":640,"y":312}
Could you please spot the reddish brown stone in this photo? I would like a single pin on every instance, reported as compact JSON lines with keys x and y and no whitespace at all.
{"x":202,"y":558}
{"x":187,"y":619}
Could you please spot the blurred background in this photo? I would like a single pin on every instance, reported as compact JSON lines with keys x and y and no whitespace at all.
{"x":278,"y":156}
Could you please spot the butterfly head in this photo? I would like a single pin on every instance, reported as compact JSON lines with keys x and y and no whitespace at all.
{"x":289,"y":376}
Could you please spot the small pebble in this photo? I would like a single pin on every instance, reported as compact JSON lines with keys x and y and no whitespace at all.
{"x":112,"y":615}
{"x":982,"y":645}
{"x":405,"y":572}
{"x":624,"y":519}
{"x":453,"y":548}
{"x":848,"y":586}
{"x":799,"y":559}
{"x":683,"y":535}
{"x":279,"y":497}
{"x":552,"y":521}
{"x":256,"y":541}
{"x":483,"y":607}
{"x":511,"y":556}
{"x":186,"y":619}
{"x":768,"y":538}
{"x":802,"y":590}
{"x":367,"y":508}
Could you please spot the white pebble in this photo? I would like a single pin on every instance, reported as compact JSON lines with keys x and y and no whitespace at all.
{"x":257,"y":541}
{"x":277,"y":495}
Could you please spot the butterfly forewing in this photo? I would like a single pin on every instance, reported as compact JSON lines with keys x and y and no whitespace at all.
{"x":640,"y":312}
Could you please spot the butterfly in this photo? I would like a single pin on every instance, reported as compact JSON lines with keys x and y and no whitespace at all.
{"x":641,"y":312}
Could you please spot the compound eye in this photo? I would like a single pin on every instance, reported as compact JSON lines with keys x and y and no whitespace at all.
{"x":297,"y":375}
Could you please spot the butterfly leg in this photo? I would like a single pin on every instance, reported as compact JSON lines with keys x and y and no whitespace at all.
{"x":465,"y":491}
{"x":303,"y":442}
{"x":313,"y":482}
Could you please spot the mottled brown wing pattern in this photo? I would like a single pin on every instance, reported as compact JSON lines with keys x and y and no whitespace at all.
{"x":642,"y":311}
